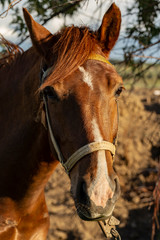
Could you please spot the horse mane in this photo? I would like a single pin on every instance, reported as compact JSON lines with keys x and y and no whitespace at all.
{"x":72,"y":49}
{"x":11,"y":53}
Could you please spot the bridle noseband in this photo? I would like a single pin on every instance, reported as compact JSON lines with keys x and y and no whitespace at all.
{"x":88,"y":148}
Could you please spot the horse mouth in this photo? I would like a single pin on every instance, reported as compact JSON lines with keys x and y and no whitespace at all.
{"x":87,"y":214}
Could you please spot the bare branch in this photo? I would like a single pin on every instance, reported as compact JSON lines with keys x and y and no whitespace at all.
{"x":142,"y":56}
{"x":11,"y":5}
{"x":65,"y":9}
{"x":146,"y":47}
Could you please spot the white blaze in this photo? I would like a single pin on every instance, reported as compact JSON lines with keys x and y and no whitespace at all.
{"x":96,"y":131}
{"x":87,"y":78}
{"x":101,"y":191}
{"x":102,"y":165}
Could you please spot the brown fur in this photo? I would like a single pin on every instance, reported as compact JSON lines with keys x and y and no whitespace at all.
{"x":27,"y":154}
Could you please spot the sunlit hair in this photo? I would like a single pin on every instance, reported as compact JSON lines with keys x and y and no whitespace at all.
{"x":12,"y":51}
{"x":71,"y":50}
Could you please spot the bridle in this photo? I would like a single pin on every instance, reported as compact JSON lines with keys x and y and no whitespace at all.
{"x":88,"y":148}
{"x":108,"y":227}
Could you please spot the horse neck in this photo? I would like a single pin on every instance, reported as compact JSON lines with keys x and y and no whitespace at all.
{"x":24,"y":139}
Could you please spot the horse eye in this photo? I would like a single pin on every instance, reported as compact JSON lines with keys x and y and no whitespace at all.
{"x":118,"y":91}
{"x":50,"y":93}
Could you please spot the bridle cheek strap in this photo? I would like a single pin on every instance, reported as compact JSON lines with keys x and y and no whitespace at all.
{"x":81,"y":152}
{"x":85,"y":150}
{"x":53,"y":140}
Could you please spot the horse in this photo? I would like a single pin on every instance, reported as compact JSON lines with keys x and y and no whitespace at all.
{"x":58,"y":103}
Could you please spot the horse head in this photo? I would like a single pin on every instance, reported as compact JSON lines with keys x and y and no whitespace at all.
{"x":80,"y":90}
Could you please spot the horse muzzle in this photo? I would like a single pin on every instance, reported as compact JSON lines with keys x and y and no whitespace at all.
{"x":96,"y":202}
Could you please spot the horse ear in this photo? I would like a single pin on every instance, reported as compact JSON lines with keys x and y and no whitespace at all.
{"x":109,"y":30}
{"x":40,"y":36}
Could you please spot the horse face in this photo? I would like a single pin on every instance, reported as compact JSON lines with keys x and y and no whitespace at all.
{"x":82,"y":106}
{"x":83,"y":111}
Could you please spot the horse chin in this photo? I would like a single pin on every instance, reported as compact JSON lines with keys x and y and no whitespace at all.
{"x":88,"y":215}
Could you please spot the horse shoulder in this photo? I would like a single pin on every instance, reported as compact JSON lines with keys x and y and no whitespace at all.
{"x":21,"y":220}
{"x":17,"y":222}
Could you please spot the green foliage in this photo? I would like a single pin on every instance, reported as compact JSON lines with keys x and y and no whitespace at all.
{"x":146,"y":27}
{"x":43,"y":10}
{"x":142,"y":33}
{"x":18,"y":21}
{"x":3,"y":2}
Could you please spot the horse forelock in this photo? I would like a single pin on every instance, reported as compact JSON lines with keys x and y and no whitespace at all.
{"x":72,"y":49}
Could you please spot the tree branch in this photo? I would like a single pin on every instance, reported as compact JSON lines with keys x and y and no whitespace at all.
{"x":64,"y":10}
{"x":11,"y":5}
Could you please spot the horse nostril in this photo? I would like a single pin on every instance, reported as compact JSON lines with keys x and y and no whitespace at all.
{"x":83,"y":189}
{"x":82,"y":192}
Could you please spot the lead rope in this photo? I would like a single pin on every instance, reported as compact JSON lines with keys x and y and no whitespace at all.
{"x":108,"y":228}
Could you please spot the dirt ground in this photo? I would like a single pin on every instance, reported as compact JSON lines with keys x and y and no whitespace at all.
{"x":136,"y":163}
